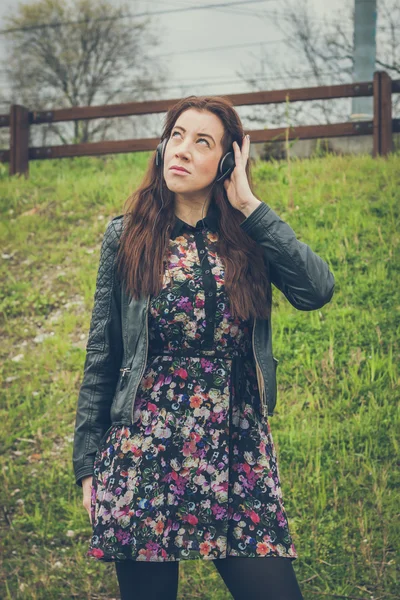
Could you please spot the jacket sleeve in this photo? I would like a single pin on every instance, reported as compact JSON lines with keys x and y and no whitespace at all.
{"x":102,"y":363}
{"x":299,"y":273}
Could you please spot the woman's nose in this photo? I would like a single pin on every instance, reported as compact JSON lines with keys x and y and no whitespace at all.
{"x":182,"y":153}
{"x":183,"y":149}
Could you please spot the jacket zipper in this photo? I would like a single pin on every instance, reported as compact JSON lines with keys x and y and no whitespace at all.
{"x":264,"y":408}
{"x":145,"y":358}
{"x":124,"y":370}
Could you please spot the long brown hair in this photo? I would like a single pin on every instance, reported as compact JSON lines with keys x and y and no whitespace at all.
{"x":141,"y":255}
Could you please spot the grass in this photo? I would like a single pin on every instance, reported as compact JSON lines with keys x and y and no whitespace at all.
{"x":336,"y":423}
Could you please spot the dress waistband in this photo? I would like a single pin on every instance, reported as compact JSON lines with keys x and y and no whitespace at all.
{"x":237,"y":357}
{"x":198,"y":353}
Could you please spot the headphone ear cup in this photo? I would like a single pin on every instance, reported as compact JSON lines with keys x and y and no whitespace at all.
{"x":160,"y":151}
{"x":226,"y":166}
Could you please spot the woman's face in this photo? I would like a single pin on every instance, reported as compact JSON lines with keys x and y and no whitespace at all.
{"x":195,"y":144}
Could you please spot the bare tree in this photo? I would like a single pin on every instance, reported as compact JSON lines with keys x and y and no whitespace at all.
{"x":92,"y":53}
{"x":389,"y":44}
{"x":322,"y":54}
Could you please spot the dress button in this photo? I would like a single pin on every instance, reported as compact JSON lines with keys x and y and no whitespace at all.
{"x":210,"y":293}
{"x":201,"y":251}
{"x":208,"y":270}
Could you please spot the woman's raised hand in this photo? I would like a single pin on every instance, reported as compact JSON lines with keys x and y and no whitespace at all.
{"x":237,"y":185}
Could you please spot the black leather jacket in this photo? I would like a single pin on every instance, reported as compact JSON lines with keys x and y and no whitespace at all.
{"x":116,"y":351}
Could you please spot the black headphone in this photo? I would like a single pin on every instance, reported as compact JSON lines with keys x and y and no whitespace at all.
{"x":225,"y":166}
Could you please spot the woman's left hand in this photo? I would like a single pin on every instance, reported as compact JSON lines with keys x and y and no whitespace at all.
{"x":237,"y":185}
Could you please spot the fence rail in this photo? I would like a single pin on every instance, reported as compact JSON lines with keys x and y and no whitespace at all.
{"x":381,"y":127}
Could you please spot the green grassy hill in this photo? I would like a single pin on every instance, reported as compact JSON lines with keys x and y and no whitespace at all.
{"x":336,"y":423}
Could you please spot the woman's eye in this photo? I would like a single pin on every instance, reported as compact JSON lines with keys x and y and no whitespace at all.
{"x":204,"y":139}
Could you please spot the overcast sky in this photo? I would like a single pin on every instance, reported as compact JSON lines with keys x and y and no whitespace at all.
{"x":231,"y":26}
{"x":186,"y":36}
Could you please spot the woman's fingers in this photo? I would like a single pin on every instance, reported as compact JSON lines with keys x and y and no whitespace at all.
{"x":247,"y":149}
{"x":242,"y":154}
{"x":236,"y":149}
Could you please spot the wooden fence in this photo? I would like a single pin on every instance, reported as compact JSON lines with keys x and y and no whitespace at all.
{"x":381,"y":127}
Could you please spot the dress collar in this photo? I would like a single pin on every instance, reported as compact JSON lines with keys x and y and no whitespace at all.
{"x":210,"y":222}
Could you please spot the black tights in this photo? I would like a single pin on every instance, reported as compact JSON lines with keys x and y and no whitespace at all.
{"x":262,"y":578}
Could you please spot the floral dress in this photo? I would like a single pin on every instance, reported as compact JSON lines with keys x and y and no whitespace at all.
{"x":195,"y":476}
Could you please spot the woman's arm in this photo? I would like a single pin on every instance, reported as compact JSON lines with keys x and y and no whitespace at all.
{"x":104,"y":350}
{"x":301,"y":275}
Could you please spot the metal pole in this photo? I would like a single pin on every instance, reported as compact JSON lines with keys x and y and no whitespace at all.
{"x":364,"y":55}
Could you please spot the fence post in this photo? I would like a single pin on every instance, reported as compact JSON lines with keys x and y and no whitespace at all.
{"x":382,"y":87}
{"x":19,"y":140}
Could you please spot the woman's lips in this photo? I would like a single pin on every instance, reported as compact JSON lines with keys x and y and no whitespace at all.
{"x":179,"y":171}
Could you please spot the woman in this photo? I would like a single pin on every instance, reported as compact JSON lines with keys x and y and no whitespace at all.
{"x":173,"y":447}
